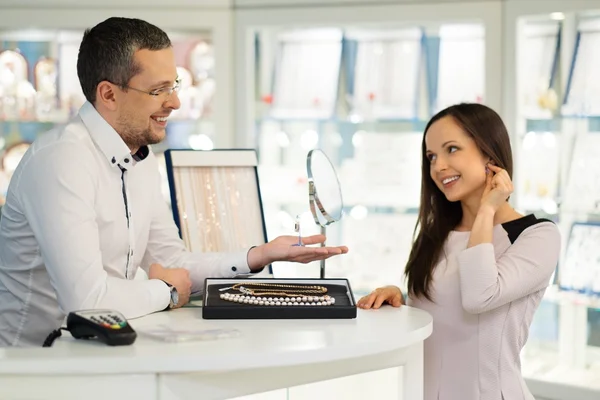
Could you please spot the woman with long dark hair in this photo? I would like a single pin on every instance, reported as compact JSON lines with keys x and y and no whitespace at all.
{"x":476,"y":265}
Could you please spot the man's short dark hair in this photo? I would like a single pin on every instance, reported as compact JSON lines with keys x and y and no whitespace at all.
{"x":106,"y":52}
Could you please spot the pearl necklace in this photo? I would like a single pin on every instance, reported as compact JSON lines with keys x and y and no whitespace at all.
{"x":279,"y":301}
{"x":291,"y":295}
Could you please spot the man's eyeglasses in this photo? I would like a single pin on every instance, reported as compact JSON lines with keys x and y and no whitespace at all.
{"x":164,"y":91}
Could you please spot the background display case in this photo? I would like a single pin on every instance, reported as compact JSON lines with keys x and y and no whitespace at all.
{"x":554,"y":119}
{"x":359,"y":83}
{"x":39,"y":87}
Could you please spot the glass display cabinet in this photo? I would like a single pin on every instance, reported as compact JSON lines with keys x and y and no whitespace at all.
{"x":554,"y":117}
{"x":360,"y":86}
{"x":39,"y":87}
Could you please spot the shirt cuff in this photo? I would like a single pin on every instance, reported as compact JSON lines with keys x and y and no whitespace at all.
{"x":236,"y":264}
{"x":161,"y":294}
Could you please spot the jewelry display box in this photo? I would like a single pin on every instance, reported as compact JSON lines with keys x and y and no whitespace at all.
{"x":278,"y":299}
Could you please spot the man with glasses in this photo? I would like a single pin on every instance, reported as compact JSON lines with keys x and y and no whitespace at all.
{"x":84,"y":209}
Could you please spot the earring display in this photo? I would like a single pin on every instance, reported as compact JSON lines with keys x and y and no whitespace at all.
{"x":386,"y":73}
{"x":539,"y":181}
{"x":581,"y":267}
{"x":582,"y":98}
{"x":278,"y":299}
{"x":461,"y":65}
{"x":202,"y":65}
{"x":18,"y":93}
{"x":195,"y":70}
{"x":46,"y":72}
{"x":70,"y":94}
{"x":539,"y":52}
{"x":306,"y":80}
{"x":583,"y":186}
{"x":9,"y":160}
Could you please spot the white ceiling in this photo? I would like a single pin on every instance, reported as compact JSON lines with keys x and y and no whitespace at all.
{"x":195,"y":4}
{"x":292,"y":3}
{"x":198,"y":4}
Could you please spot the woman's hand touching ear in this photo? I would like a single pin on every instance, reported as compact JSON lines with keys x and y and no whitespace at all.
{"x":498,"y":187}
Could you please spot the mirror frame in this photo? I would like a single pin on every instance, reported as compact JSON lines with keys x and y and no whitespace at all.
{"x":313,"y":196}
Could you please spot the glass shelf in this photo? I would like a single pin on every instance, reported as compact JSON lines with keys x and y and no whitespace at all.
{"x":558,"y":124}
{"x":543,"y":125}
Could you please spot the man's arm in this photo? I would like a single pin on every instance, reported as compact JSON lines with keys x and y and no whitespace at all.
{"x":57,"y":194}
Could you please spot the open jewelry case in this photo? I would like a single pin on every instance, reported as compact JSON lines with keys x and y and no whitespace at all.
{"x":287,"y":298}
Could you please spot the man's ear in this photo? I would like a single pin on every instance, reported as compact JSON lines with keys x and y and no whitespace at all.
{"x":105,"y":94}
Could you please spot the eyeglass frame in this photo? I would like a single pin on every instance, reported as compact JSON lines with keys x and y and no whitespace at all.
{"x":155,"y":92}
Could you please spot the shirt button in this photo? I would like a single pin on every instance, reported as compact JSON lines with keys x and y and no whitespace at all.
{"x":114,"y":160}
{"x":234,"y":268}
{"x":126,"y":160}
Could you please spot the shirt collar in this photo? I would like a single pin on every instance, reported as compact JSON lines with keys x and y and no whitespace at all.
{"x":108,"y":140}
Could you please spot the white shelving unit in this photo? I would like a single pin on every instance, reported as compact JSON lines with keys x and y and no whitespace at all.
{"x":566,"y":363}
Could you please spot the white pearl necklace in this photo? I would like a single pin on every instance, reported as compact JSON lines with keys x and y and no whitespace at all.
{"x":279,"y":301}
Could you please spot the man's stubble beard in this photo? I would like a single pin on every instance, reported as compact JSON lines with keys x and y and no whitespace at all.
{"x":135,"y":139}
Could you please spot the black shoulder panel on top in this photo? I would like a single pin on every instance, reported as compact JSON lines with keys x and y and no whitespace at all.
{"x":516,"y":227}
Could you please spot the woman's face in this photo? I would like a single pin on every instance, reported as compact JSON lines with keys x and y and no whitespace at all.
{"x":457,"y":165}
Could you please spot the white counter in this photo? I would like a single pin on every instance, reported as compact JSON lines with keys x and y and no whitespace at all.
{"x":266,"y":355}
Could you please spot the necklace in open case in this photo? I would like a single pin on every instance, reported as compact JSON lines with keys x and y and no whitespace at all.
{"x":266,"y":294}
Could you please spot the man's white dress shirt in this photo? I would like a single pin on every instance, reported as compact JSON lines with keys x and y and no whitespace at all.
{"x":82,"y":214}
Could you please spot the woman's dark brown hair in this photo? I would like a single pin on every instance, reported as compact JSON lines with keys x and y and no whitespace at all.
{"x":437,"y":215}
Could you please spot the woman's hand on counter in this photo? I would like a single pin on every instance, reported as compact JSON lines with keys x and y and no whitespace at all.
{"x":384,"y":295}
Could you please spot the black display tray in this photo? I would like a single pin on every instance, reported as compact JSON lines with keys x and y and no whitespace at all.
{"x":216,"y":308}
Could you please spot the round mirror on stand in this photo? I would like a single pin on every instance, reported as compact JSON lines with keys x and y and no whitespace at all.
{"x":324,"y":193}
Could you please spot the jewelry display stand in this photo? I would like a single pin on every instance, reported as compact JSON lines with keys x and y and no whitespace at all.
{"x":581,"y":98}
{"x":539,"y":71}
{"x":582,"y":192}
{"x":215,"y":197}
{"x":386,"y":73}
{"x":278,"y":299}
{"x":581,"y":268}
{"x":538,"y":184}
{"x":461,"y":64}
{"x":302,"y":87}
